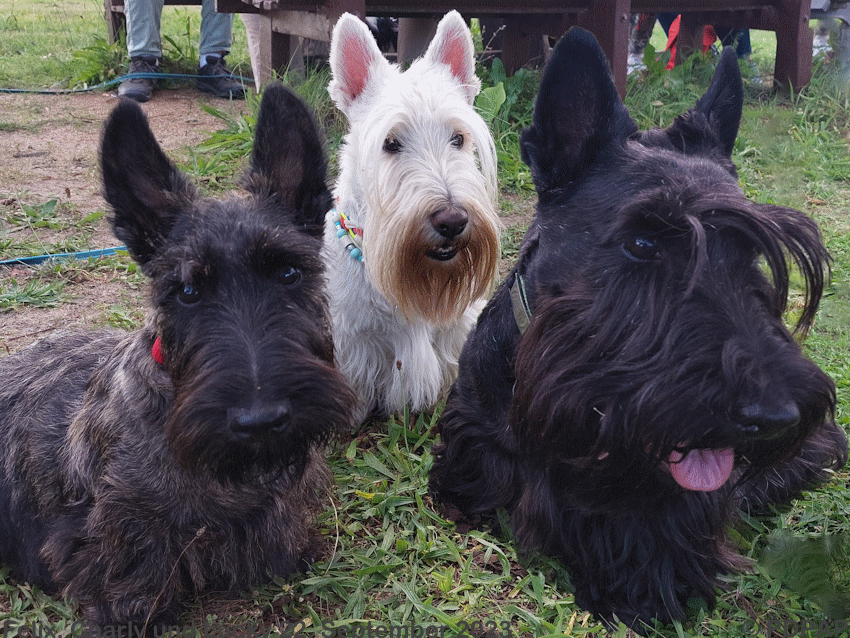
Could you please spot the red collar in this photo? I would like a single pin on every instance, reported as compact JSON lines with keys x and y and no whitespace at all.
{"x":156,"y":351}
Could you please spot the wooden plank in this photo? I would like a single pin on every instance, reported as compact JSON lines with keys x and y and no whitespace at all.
{"x":302,"y":24}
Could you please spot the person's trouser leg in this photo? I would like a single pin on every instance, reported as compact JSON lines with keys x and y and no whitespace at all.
{"x":216,"y":37}
{"x":216,"y":30}
{"x":143,"y":27}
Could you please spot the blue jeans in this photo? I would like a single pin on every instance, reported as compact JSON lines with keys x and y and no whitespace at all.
{"x":143,"y":28}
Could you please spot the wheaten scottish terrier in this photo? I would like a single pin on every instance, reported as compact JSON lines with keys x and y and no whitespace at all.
{"x":412,"y":244}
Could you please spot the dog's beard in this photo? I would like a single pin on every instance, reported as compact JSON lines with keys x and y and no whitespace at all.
{"x":424,"y":287}
{"x":200,"y":428}
{"x":422,"y":273}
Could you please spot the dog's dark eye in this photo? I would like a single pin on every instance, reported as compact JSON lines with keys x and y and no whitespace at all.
{"x":392,"y":145}
{"x":290,"y":275}
{"x":457,"y":140}
{"x":189,"y":295}
{"x":641,"y":249}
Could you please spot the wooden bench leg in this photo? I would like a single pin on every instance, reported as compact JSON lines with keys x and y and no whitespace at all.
{"x":793,"y":67}
{"x":414,"y":34}
{"x":609,"y":22}
{"x":285,"y":54}
{"x":115,"y":20}
{"x":519,"y":45}
{"x":261,"y":40}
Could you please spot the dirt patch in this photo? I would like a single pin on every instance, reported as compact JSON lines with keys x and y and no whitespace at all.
{"x":49,"y":150}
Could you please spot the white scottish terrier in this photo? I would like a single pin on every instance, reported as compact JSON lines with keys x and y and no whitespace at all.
{"x":412,"y":246}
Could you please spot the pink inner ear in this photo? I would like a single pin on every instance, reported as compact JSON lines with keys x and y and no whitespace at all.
{"x":454,"y":53}
{"x":356,"y":60}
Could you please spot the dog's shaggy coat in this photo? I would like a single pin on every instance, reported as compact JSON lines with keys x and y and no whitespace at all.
{"x":656,"y":388}
{"x":417,"y":185}
{"x":184,"y":456}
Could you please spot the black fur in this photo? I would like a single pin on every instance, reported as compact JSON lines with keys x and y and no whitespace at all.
{"x":385,"y":32}
{"x":654,"y":330}
{"x":127,"y":483}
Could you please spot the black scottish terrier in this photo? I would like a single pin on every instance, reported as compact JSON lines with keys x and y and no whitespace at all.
{"x":656,"y":388}
{"x":184,"y":456}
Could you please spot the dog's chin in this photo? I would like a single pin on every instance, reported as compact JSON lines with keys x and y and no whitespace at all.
{"x":246,"y":464}
{"x":237,"y":458}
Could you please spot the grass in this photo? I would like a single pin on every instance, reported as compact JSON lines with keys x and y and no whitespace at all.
{"x":29,"y":226}
{"x":390,"y":557}
{"x":32,"y":293}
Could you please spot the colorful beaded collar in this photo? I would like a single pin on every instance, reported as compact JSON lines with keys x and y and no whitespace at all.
{"x":350,"y":235}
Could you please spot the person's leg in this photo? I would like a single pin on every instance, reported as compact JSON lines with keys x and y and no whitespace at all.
{"x":143,"y":27}
{"x":216,"y":38}
{"x":739,"y":37}
{"x":216,"y":31}
{"x":743,"y":47}
{"x":665,"y":20}
{"x":144,"y":46}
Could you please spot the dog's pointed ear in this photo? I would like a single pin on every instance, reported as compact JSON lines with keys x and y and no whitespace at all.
{"x":288,"y":161}
{"x":723,"y":101}
{"x":145,"y":189}
{"x":711,"y":126}
{"x":452,"y":45}
{"x":577,"y":113}
{"x":354,"y":57}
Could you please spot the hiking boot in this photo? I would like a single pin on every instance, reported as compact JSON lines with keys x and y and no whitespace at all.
{"x":214,"y":77}
{"x":140,"y":89}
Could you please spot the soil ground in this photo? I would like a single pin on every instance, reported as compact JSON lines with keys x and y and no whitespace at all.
{"x":49,"y":150}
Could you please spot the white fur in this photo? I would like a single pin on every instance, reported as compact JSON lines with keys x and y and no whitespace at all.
{"x":394,"y":351}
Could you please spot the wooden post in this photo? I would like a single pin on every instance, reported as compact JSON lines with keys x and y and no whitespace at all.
{"x":793,"y":67}
{"x":115,"y":20}
{"x":609,"y":22}
{"x":414,"y":34}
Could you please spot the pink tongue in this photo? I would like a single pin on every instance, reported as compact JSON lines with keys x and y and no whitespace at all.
{"x":702,"y":470}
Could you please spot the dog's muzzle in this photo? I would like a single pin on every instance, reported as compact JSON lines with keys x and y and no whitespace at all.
{"x":764,"y":422}
{"x":259,"y":421}
{"x":706,"y":470}
{"x":449,"y":223}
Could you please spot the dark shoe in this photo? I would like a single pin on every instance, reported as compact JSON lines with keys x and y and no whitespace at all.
{"x":140,"y":89}
{"x":215,"y":78}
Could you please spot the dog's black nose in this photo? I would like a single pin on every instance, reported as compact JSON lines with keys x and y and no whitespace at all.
{"x":764,"y":420}
{"x":449,"y":222}
{"x":259,"y":419}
